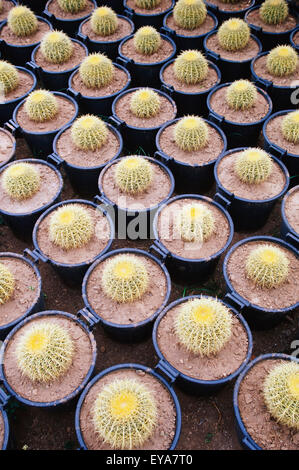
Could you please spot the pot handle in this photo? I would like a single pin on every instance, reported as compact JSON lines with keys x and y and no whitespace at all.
{"x":167,"y":370}
{"x":168,"y":32}
{"x":12,"y":127}
{"x":248,"y":444}
{"x":90,"y":318}
{"x":233,"y":301}
{"x":166,"y":159}
{"x":129,"y":13}
{"x":159,"y":251}
{"x":55,"y":159}
{"x":4,"y":398}
{"x":223,"y":201}
{"x":35,"y":255}
{"x":292,"y":240}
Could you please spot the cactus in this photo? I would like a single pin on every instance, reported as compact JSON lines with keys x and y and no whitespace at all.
{"x":241,"y":95}
{"x":89,"y":132}
{"x":195,"y":223}
{"x":7,"y":284}
{"x":253,"y":166}
{"x":22,"y":21}
{"x":189,"y":14}
{"x":147,"y":4}
{"x":133,"y":174}
{"x":290,"y":127}
{"x":125,"y":278}
{"x":71,"y":226}
{"x":96,"y":71}
{"x":9,"y":77}
{"x":125,"y":413}
{"x":233,"y":35}
{"x":21,"y":181}
{"x":44,"y":352}
{"x":104,"y":21}
{"x":282,"y":61}
{"x":274,"y":11}
{"x":267,"y":266}
{"x":145,"y":103}
{"x":41,"y":106}
{"x":191,"y":133}
{"x":203,"y":326}
{"x":72,"y":6}
{"x":191,"y":67}
{"x":147,"y":40}
{"x":56,"y":47}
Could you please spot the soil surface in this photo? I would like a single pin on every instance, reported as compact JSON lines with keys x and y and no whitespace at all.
{"x":210,"y":81}
{"x":76,"y":58}
{"x":6,"y":146}
{"x":123,"y":30}
{"x":164,"y":5}
{"x":6,"y":6}
{"x":204,"y":28}
{"x":253,"y":17}
{"x":1,"y":430}
{"x":242,"y":5}
{"x":119,"y":81}
{"x":55,"y":9}
{"x":292,"y":208}
{"x":162,"y":54}
{"x":296,"y":38}
{"x":10,"y":38}
{"x":248,"y":53}
{"x":260,"y":69}
{"x":275,"y":135}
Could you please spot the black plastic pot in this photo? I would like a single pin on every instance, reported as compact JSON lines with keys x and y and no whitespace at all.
{"x":239,"y":134}
{"x":287,"y":232}
{"x":247,"y":214}
{"x":259,"y":318}
{"x":13,"y":150}
{"x":3,"y":402}
{"x":140,"y":19}
{"x":296,"y":46}
{"x":190,"y":178}
{"x":223,"y":14}
{"x":69,"y":26}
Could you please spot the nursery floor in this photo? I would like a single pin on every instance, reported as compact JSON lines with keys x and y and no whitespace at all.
{"x":207,"y":423}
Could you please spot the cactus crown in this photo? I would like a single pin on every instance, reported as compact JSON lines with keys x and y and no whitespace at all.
{"x":125,"y":278}
{"x":7,"y":284}
{"x":56,"y":47}
{"x":147,"y":4}
{"x":147,"y":40}
{"x":274,"y":11}
{"x":290,"y":127}
{"x":41,"y":106}
{"x":21,"y":181}
{"x":44,"y":352}
{"x":71,"y":227}
{"x":191,"y":133}
{"x":104,"y":21}
{"x":96,"y":71}
{"x":191,"y":67}
{"x":72,"y":6}
{"x":203,"y":326}
{"x":267,"y":266}
{"x":282,"y":61}
{"x":253,"y":166}
{"x":125,"y":413}
{"x":22,"y":21}
{"x":241,"y":95}
{"x":133,"y":174}
{"x":9,"y":77}
{"x":145,"y":103}
{"x":233,"y":34}
{"x":89,"y":132}
{"x":195,"y":223}
{"x":189,"y":14}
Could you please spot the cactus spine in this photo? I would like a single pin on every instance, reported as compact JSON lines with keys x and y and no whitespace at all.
{"x":133,"y":174}
{"x":89,"y":132}
{"x":21,"y":181}
{"x":191,"y":67}
{"x":274,"y":11}
{"x":72,"y":6}
{"x":290,"y":127}
{"x":147,"y":4}
{"x":191,"y":133}
{"x":104,"y":21}
{"x":7,"y":284}
{"x":282,"y":61}
{"x":189,"y":14}
{"x":96,"y":71}
{"x":56,"y":47}
{"x":145,"y":103}
{"x":147,"y":40}
{"x":195,"y":223}
{"x":241,"y":95}
{"x":22,"y":21}
{"x":9,"y":77}
{"x":253,"y":166}
{"x":41,"y":106}
{"x":233,"y":35}
{"x":267,"y":266}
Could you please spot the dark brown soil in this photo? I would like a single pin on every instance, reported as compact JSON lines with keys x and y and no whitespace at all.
{"x":254,"y":18}
{"x":1,"y":430}
{"x":275,"y":135}
{"x":204,"y":28}
{"x":6,"y":7}
{"x":76,"y":58}
{"x":292,"y":208}
{"x":25,"y":85}
{"x":260,"y":69}
{"x":230,"y":6}
{"x":55,"y":9}
{"x":207,"y":83}
{"x":162,"y":54}
{"x":296,"y":38}
{"x":124,"y":29}
{"x":10,"y":38}
{"x":120,"y":80}
{"x":164,"y":5}
{"x":6,"y":146}
{"x":248,"y":53}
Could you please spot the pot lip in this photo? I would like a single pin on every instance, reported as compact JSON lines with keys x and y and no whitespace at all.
{"x":257,"y":7}
{"x":258,"y":79}
{"x":152,"y":160}
{"x":75,"y":392}
{"x":126,"y":326}
{"x":69,"y":20}
{"x":292,"y":36}
{"x":148,"y":370}
{"x":245,"y":371}
{"x":14,"y":145}
{"x":210,"y":123}
{"x":73,"y":201}
{"x":48,"y":204}
{"x":202,"y":198}
{"x":148,"y":64}
{"x":154,"y":15}
{"x":283,"y":212}
{"x":196,"y":36}
{"x":6,"y":427}
{"x":215,"y":7}
{"x":40,"y":18}
{"x":23,"y":69}
{"x":273,"y":116}
{"x":229,"y":61}
{"x":109,"y":42}
{"x":239,"y":198}
{"x":257,"y":238}
{"x":241,"y":124}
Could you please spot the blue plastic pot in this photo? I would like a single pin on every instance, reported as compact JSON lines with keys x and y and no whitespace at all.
{"x":190,"y":178}
{"x":296,"y":46}
{"x":223,"y":14}
{"x":287,"y":232}
{"x":140,"y":19}
{"x":13,"y":150}
{"x":186,"y":269}
{"x":69,"y":26}
{"x":147,"y":370}
{"x":259,"y":318}
{"x":52,"y":313}
{"x":3,"y":402}
{"x":238,"y":134}
{"x":247,"y":214}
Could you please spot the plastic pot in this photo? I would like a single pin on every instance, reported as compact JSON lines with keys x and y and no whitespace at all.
{"x":224,"y":15}
{"x":296,"y":46}
{"x":3,"y":402}
{"x":191,"y":178}
{"x":13,"y":150}
{"x":69,"y":26}
{"x":287,"y":232}
{"x":238,"y":133}
{"x":259,"y":318}
{"x":139,"y":19}
{"x":147,"y":370}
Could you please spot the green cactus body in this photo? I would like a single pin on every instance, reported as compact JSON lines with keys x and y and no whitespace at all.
{"x":89,"y":133}
{"x":147,"y":4}
{"x":274,"y":11}
{"x":282,"y":61}
{"x":267,"y":266}
{"x":145,"y":103}
{"x":147,"y":40}
{"x":56,"y":47}
{"x":41,"y":106}
{"x":7,"y":284}
{"x":253,"y":166}
{"x":241,"y":95}
{"x":72,"y":6}
{"x":96,"y":71}
{"x":290,"y":127}
{"x":133,"y":174}
{"x":22,"y":21}
{"x":191,"y":133}
{"x":104,"y":21}
{"x":233,"y":34}
{"x":191,"y":67}
{"x":189,"y":14}
{"x":195,"y":223}
{"x":21,"y":181}
{"x":9,"y":77}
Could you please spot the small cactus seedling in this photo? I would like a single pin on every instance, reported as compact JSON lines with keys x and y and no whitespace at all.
{"x":195,"y":223}
{"x":133,"y":174}
{"x":125,"y":278}
{"x":147,"y":4}
{"x":189,"y":14}
{"x":145,"y":103}
{"x":282,"y":61}
{"x":7,"y":284}
{"x":191,"y":67}
{"x":104,"y":21}
{"x":56,"y":47}
{"x":191,"y":133}
{"x":253,"y":166}
{"x":72,"y":6}
{"x":147,"y":40}
{"x":9,"y":77}
{"x":125,"y":413}
{"x":290,"y":127}
{"x":41,"y":106}
{"x":274,"y":11}
{"x":203,"y":326}
{"x":71,"y":227}
{"x":233,"y":34}
{"x":44,"y":352}
{"x":241,"y":95}
{"x":89,"y":132}
{"x":96,"y":71}
{"x":22,"y":21}
{"x":267,"y":266}
{"x":21,"y":181}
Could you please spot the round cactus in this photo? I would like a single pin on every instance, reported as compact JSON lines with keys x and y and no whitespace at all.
{"x":203,"y":326}
{"x":44,"y":352}
{"x":21,"y":181}
{"x":145,"y":103}
{"x":274,"y":11}
{"x":191,"y":67}
{"x":290,"y":127}
{"x":125,"y":413}
{"x":133,"y":174}
{"x":233,"y":34}
{"x":7,"y":284}
{"x":195,"y":223}
{"x":189,"y":14}
{"x":147,"y":4}
{"x":241,"y":95}
{"x":41,"y":106}
{"x":89,"y":132}
{"x":9,"y":77}
{"x":96,"y":71}
{"x":191,"y":133}
{"x":56,"y":47}
{"x":104,"y":21}
{"x":282,"y":61}
{"x":125,"y":278}
{"x":71,"y":227}
{"x":253,"y":166}
{"x":147,"y":40}
{"x":72,"y":6}
{"x":267,"y":266}
{"x":22,"y":21}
